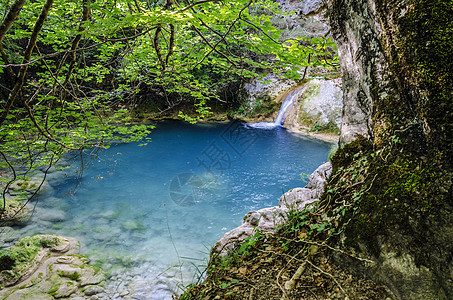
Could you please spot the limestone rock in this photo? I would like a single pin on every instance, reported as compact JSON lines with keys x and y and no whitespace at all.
{"x":297,"y":198}
{"x":267,"y":219}
{"x":312,"y":6}
{"x":30,"y":186}
{"x":318,"y":107}
{"x":54,"y":271}
{"x":65,"y":289}
{"x":308,"y":20}
{"x":8,"y":235}
{"x":318,"y":179}
{"x":93,"y":290}
{"x":25,"y":294}
{"x":50,"y":215}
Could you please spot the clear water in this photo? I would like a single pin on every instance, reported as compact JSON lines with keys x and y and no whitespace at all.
{"x":154,"y":211}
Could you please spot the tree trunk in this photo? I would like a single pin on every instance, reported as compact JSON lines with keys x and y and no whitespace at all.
{"x":4,"y":27}
{"x":396,"y":62}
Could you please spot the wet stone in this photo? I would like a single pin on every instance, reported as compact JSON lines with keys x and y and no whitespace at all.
{"x":93,"y":290}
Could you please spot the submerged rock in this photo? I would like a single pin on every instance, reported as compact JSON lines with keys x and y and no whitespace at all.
{"x":50,"y":215}
{"x":19,"y":193}
{"x":9,"y":235}
{"x":93,"y":290}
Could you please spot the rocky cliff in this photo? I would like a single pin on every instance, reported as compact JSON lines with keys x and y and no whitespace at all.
{"x":395,"y":165}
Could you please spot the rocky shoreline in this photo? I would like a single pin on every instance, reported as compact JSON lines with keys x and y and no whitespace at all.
{"x":267,"y":219}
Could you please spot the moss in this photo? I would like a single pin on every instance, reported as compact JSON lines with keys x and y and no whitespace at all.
{"x":74,"y":276}
{"x":378,"y":192}
{"x":312,"y":90}
{"x":14,"y":202}
{"x":14,"y":262}
{"x":420,"y":51}
{"x":97,"y":269}
{"x":305,"y":120}
{"x":262,"y":107}
{"x":327,"y":128}
{"x":345,"y":156}
{"x":54,"y":288}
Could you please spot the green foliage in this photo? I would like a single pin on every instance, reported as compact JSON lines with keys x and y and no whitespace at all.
{"x":304,"y":177}
{"x":263,"y":106}
{"x":249,"y":243}
{"x":329,"y":128}
{"x":83,"y":98}
{"x":333,"y":150}
{"x":54,"y":288}
{"x":202,"y":111}
{"x":239,"y":253}
{"x":308,"y":224}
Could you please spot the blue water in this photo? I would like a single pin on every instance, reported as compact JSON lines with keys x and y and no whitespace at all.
{"x":161,"y":207}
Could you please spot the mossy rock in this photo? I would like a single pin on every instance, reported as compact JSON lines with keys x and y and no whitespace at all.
{"x":46,"y":267}
{"x":19,"y":259}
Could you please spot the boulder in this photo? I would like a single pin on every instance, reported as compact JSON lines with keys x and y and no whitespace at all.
{"x":50,"y":215}
{"x":318,"y":108}
{"x":49,"y":268}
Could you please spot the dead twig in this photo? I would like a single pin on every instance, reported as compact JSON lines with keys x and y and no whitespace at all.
{"x":330,"y":275}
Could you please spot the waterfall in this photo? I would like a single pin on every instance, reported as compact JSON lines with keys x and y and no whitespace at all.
{"x":288,"y":103}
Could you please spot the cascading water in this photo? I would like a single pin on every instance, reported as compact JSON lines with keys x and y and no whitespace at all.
{"x":283,"y":113}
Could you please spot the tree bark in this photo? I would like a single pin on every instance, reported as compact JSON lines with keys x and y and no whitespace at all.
{"x":4,"y":27}
{"x":396,"y":68}
{"x":76,"y":41}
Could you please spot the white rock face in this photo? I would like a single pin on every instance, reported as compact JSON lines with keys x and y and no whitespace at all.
{"x":312,"y":6}
{"x":320,"y":103}
{"x":267,"y":219}
{"x":302,"y":7}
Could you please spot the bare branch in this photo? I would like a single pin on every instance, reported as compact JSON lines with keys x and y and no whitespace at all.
{"x":172,"y":43}
{"x":213,"y":48}
{"x":3,"y":209}
{"x":75,"y":42}
{"x":191,"y":6}
{"x":79,"y":49}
